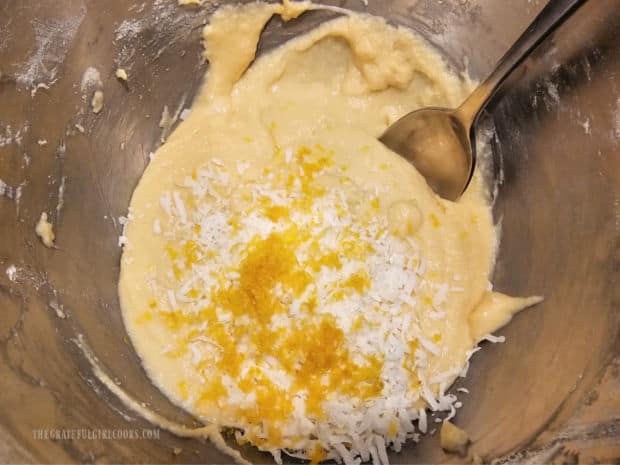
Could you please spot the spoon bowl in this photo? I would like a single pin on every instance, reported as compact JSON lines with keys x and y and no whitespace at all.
{"x":440,"y":142}
{"x":439,"y":145}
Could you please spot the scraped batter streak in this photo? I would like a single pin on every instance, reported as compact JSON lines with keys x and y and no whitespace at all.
{"x":285,"y":273}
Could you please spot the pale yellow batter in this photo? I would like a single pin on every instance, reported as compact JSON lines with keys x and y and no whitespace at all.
{"x":286,"y":274}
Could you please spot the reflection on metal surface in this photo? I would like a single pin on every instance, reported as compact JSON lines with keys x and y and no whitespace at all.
{"x":556,"y":137}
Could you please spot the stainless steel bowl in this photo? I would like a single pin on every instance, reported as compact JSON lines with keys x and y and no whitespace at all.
{"x":555,"y":135}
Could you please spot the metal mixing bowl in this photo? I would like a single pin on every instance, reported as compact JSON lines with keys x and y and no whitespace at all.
{"x":555,"y":136}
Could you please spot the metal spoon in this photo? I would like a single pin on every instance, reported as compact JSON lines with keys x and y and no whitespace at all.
{"x":440,"y":142}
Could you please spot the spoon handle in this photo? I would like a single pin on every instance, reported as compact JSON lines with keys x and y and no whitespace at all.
{"x":551,"y":16}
